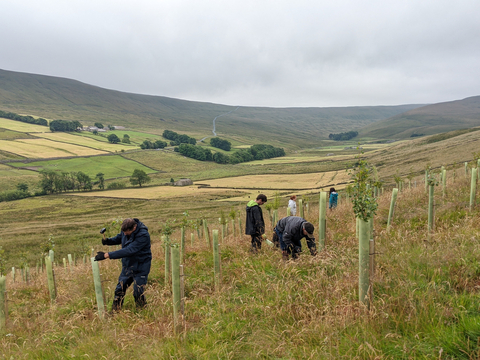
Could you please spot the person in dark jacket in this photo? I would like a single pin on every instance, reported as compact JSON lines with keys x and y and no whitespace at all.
{"x":136,"y":260}
{"x":290,"y":231}
{"x":254,"y":224}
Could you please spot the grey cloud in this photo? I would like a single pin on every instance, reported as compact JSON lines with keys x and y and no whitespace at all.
{"x":265,"y":53}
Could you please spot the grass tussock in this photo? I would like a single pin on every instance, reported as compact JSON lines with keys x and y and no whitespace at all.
{"x":425,"y":296}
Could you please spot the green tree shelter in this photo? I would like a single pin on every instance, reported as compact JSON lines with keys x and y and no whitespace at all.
{"x":364,"y":207}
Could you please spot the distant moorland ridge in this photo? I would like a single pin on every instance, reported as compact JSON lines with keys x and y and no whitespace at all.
{"x":59,"y":98}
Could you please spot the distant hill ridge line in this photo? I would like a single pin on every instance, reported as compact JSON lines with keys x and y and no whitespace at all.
{"x":60,"y":98}
{"x":428,"y":120}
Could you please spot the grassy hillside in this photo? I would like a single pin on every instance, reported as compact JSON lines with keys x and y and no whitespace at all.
{"x":425,"y":288}
{"x":57,"y":98}
{"x":427,"y":120}
{"x":450,"y":149}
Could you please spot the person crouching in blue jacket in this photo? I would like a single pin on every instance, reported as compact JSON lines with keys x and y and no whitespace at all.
{"x":136,"y":258}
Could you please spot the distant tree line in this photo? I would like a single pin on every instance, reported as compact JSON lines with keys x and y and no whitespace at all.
{"x":221,"y":144}
{"x":52,"y":182}
{"x":343,"y":136}
{"x":195,"y":152}
{"x":159,"y":144}
{"x":26,"y":119}
{"x":177,"y":139}
{"x":65,"y":125}
{"x":255,"y":152}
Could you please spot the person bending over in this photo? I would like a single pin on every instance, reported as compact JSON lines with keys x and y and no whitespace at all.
{"x":290,"y":231}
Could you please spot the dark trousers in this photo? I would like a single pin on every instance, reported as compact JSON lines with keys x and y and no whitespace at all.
{"x":127,"y":277}
{"x":291,"y":249}
{"x":256,"y":241}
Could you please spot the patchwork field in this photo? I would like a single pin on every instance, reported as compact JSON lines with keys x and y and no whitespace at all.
{"x":44,"y":148}
{"x":281,"y":181}
{"x":136,"y":137}
{"x":93,"y":143}
{"x":111,"y":166}
{"x":11,"y":135}
{"x":159,"y":192}
{"x":22,"y":127}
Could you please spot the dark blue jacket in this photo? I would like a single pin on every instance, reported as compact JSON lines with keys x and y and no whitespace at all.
{"x":291,"y":228}
{"x":135,"y":249}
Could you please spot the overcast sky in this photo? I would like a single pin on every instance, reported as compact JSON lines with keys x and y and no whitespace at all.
{"x":259,"y":53}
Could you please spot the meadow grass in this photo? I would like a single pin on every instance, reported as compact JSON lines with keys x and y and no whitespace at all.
{"x":425,"y":292}
{"x":43,"y":148}
{"x":281,"y":181}
{"x":11,"y":135}
{"x":136,"y":137}
{"x":73,"y":138}
{"x":111,"y":166}
{"x":11,"y":177}
{"x":22,"y":127}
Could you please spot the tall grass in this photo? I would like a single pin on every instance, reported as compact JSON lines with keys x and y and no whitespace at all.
{"x":425,"y":297}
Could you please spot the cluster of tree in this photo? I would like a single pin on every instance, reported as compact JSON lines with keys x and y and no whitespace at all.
{"x":159,"y":144}
{"x":177,"y":139}
{"x":195,"y":152}
{"x":113,"y":138}
{"x":65,"y":125}
{"x":343,"y":136}
{"x":255,"y":152}
{"x":27,"y":119}
{"x":56,"y":182}
{"x":139,"y":177}
{"x":221,"y":144}
{"x":99,"y":125}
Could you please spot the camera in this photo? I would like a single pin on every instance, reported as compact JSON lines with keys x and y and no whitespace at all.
{"x":103,"y":230}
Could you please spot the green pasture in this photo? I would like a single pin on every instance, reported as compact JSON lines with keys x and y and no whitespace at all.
{"x":11,"y":135}
{"x":111,"y":166}
{"x":22,"y":127}
{"x":11,"y":177}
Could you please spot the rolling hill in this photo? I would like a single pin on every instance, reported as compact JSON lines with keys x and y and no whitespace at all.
{"x":59,"y":98}
{"x":427,"y":120}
